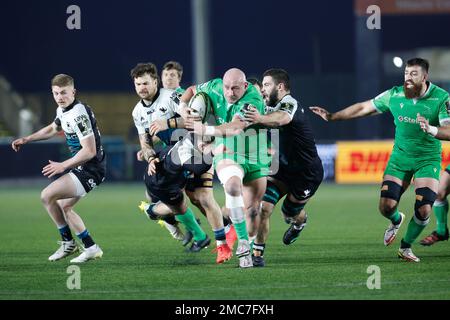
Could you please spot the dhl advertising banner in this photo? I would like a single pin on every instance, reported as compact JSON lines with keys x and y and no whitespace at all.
{"x":365,"y":161}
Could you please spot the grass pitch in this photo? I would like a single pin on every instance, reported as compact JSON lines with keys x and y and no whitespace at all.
{"x":343,"y":238}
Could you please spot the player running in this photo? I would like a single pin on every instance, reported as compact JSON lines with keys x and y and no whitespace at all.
{"x":300,"y":170}
{"x":415,"y":153}
{"x":76,"y":176}
{"x":440,"y":206}
{"x":237,"y":157}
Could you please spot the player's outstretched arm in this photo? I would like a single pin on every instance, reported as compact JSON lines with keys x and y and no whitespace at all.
{"x":43,"y":134}
{"x":441,"y":133}
{"x":357,"y":110}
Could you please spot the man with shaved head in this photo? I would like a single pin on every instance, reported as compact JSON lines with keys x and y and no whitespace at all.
{"x":240,"y":163}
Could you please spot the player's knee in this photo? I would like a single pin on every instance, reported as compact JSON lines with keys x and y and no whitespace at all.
{"x":425,"y":198}
{"x":387,"y":206}
{"x":441,"y":196}
{"x":391,"y":190}
{"x":253,"y":212}
{"x":47,"y":197}
{"x":266,"y":210}
{"x":233,"y":187}
{"x":291,"y":209}
{"x":231,"y":179}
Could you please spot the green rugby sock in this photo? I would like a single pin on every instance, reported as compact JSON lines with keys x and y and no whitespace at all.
{"x":241,"y":230}
{"x":414,"y":230}
{"x":188,"y":219}
{"x":395,"y":217}
{"x":440,"y":209}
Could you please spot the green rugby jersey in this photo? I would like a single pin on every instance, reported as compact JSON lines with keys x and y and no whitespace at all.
{"x":224,"y":113}
{"x":409,"y":137}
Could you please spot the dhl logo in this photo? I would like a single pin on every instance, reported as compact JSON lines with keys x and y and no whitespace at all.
{"x":365,"y":162}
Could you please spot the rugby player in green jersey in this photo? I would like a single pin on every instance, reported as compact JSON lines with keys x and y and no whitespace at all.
{"x":240,"y":163}
{"x":441,"y":204}
{"x":415,"y":154}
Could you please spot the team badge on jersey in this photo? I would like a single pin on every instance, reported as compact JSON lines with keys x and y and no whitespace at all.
{"x":83,"y":124}
{"x":287,"y":107}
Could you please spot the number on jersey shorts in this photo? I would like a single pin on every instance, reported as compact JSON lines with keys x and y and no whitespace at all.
{"x":90,"y":174}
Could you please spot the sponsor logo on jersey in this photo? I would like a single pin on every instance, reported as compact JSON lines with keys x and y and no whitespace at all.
{"x":287,"y":107}
{"x":407,"y":119}
{"x":401,"y":105}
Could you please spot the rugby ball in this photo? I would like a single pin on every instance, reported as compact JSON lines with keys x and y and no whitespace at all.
{"x":201,"y":105}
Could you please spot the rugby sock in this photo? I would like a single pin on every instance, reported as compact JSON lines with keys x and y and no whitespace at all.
{"x":86,"y":238}
{"x":170,"y":219}
{"x":226,"y":221}
{"x":441,"y":212}
{"x":219,"y":235}
{"x":188,"y":219}
{"x":237,"y":217}
{"x":66,"y":235}
{"x":413,"y":231}
{"x":241,"y":230}
{"x":395,"y":217}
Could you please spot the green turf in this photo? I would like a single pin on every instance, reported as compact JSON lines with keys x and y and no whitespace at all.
{"x":141,"y":261}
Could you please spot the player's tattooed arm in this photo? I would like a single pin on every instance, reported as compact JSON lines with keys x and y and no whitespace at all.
{"x":357,"y":110}
{"x":147,"y":151}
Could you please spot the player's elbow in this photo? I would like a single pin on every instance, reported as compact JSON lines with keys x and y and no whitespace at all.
{"x":90,"y":153}
{"x":283,"y":121}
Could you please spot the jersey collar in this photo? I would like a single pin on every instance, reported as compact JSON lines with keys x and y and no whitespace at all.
{"x":426,"y":94}
{"x":70,"y":106}
{"x":429,"y":84}
{"x":152,"y":101}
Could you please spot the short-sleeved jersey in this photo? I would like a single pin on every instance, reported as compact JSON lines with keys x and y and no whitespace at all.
{"x":409,"y":137}
{"x":163,"y":106}
{"x":297,"y":146}
{"x":78,"y":123}
{"x":224,"y":112}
